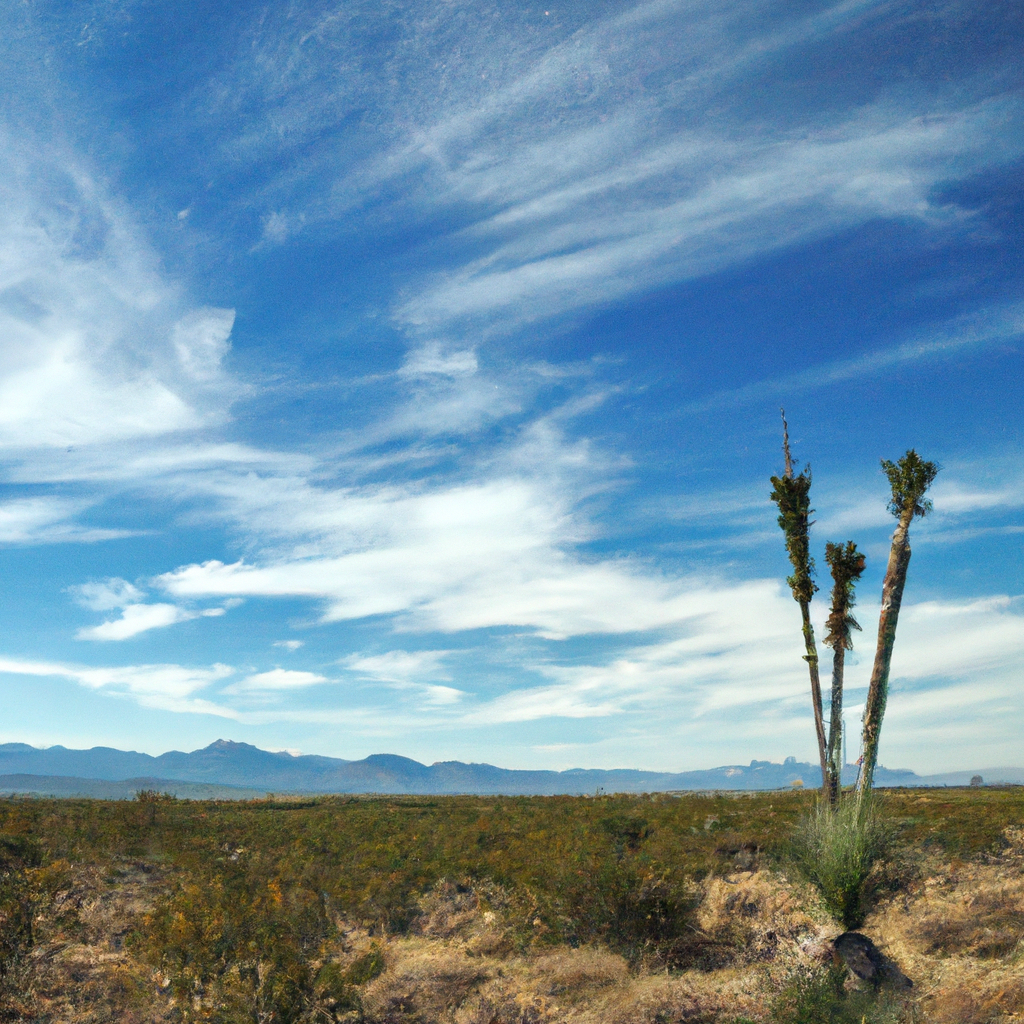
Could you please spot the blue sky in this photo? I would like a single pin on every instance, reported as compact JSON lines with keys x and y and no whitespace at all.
{"x":406,"y":376}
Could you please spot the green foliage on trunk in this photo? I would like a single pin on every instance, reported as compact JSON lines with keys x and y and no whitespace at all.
{"x":909,"y":479}
{"x":846,"y":564}
{"x":793,"y":497}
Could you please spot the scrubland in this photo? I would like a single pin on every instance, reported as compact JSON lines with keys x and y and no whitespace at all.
{"x":472,"y":910}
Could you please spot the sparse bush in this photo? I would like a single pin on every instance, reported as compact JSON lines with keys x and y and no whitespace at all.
{"x":836,"y":848}
{"x":18,"y":854}
{"x":819,"y":997}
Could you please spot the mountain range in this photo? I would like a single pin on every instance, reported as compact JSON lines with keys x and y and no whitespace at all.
{"x":228,"y":769}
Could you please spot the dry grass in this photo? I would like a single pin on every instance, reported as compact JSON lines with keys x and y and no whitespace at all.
{"x":458,"y":968}
{"x":958,"y":931}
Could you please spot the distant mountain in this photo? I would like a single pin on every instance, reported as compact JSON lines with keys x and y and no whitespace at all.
{"x":228,"y":764}
{"x":102,"y":789}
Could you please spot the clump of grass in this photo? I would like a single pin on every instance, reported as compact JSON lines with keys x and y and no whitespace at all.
{"x":835,"y":848}
{"x":819,"y":997}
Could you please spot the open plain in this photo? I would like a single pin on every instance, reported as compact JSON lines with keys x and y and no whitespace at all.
{"x":471,"y":910}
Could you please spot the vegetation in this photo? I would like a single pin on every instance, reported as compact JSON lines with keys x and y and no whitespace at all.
{"x":18,"y":854}
{"x":404,"y":909}
{"x":819,"y":997}
{"x":836,"y":848}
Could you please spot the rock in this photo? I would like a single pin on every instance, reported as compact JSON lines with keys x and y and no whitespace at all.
{"x":867,"y":964}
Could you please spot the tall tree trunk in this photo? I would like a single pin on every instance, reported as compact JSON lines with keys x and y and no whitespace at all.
{"x":878,"y":690}
{"x":811,"y":657}
{"x":835,"y":728}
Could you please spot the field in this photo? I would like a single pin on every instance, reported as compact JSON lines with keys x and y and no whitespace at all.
{"x":518,"y":910}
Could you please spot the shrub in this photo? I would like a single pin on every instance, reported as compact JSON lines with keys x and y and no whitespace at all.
{"x":819,"y":997}
{"x":836,"y":848}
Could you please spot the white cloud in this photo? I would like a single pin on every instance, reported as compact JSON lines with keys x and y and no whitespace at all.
{"x":996,"y":325}
{"x":618,"y":155}
{"x":495,"y":553}
{"x":201,"y":341}
{"x":955,"y":675}
{"x":398,"y":666}
{"x":410,"y":671}
{"x":49,"y":520}
{"x":105,"y":596}
{"x":277,"y":679}
{"x":432,"y":359}
{"x":288,"y":645}
{"x":165,"y":687}
{"x":700,"y":205}
{"x":135,"y":619}
{"x":99,"y":346}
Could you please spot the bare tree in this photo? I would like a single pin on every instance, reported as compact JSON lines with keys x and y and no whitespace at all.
{"x":791,"y":492}
{"x":846,"y":564}
{"x":909,"y":478}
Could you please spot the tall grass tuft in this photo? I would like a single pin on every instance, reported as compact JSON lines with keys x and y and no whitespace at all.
{"x":835,"y":849}
{"x":819,"y":997}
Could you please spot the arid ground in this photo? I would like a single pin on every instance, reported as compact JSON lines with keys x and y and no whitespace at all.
{"x":606,"y":910}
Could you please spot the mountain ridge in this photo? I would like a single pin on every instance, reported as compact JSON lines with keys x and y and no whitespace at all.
{"x":232,"y":764}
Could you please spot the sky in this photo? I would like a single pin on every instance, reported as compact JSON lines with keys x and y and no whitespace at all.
{"x":405,"y":376}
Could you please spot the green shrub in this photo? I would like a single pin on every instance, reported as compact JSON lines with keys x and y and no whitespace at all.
{"x":819,"y":997}
{"x":836,"y":848}
{"x":367,"y":967}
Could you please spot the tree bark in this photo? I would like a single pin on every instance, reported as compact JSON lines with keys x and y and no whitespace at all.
{"x":811,"y":657}
{"x":878,"y":690}
{"x":835,"y":728}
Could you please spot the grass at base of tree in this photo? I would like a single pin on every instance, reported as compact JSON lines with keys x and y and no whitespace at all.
{"x":819,"y":997}
{"x":836,"y":848}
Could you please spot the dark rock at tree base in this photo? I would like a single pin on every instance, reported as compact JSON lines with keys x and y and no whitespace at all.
{"x":867,"y":964}
{"x":859,"y":954}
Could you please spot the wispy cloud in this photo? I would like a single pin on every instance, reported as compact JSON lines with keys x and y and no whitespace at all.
{"x":135,"y":619}
{"x":50,"y":520}
{"x":954,"y":672}
{"x":165,"y":687}
{"x":398,"y":666}
{"x":277,"y":679}
{"x":106,"y":595}
{"x":587,"y":163}
{"x":997,"y":325}
{"x":99,"y":346}
{"x":136,"y":615}
{"x":410,"y":671}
